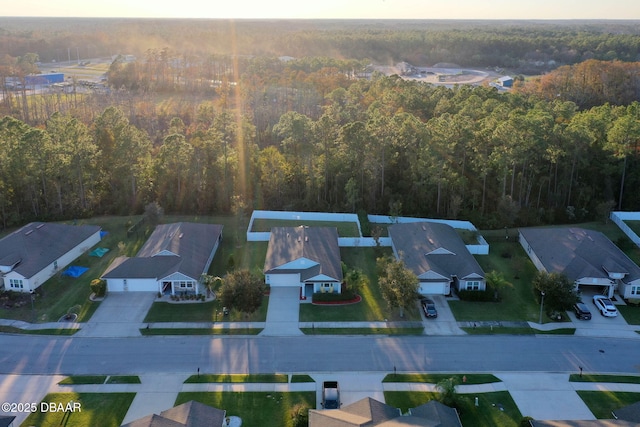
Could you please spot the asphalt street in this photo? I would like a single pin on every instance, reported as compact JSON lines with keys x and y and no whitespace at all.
{"x":147,"y":355}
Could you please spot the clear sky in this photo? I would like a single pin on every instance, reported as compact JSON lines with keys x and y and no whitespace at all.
{"x":329,"y":9}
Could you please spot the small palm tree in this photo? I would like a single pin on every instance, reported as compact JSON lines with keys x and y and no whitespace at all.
{"x":497,"y":281}
{"x":447,"y":389}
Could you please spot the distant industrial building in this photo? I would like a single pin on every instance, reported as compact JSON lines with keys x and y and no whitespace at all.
{"x":505,"y":81}
{"x":44,"y":79}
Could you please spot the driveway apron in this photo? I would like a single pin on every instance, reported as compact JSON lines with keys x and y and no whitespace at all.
{"x":120,"y":315}
{"x":283,"y":313}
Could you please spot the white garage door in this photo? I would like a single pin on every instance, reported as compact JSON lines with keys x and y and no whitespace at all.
{"x":132,"y":285}
{"x":433,"y":288}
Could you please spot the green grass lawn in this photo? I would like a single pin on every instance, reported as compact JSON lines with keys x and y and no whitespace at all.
{"x":601,"y":403}
{"x":301,"y":378}
{"x":97,"y":410}
{"x":518,"y":302}
{"x":362,"y":331}
{"x":238,"y":378}
{"x":425,"y":377}
{"x":371,"y":308}
{"x":495,"y":409}
{"x":123,"y":379}
{"x":630,"y":313}
{"x":595,"y":378}
{"x":202,"y":312}
{"x":345,"y":229}
{"x":60,"y":331}
{"x":84,"y":379}
{"x":496,"y":330}
{"x":255,"y":408}
{"x":200,"y":331}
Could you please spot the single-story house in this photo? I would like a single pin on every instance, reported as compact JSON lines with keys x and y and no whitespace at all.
{"x":37,"y":251}
{"x":586,"y":257}
{"x":438,"y":256}
{"x":172,"y":260}
{"x":371,"y":413}
{"x":305,"y":257}
{"x":189,"y":414}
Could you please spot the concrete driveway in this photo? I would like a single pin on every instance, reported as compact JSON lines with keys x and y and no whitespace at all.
{"x":121,"y":314}
{"x":600,"y":325}
{"x":445,"y":323}
{"x":283,"y":313}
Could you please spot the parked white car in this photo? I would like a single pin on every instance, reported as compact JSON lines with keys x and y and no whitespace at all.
{"x":606,"y":307}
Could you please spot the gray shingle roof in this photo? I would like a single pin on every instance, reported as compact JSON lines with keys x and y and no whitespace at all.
{"x":142,"y":268}
{"x":436,"y":411}
{"x":578,"y":253}
{"x":189,"y":414}
{"x":369,"y":412}
{"x":319,"y":244}
{"x":193,"y":242}
{"x":184,"y":247}
{"x":195,"y":414}
{"x":39,"y":244}
{"x":433,"y":246}
{"x":629,"y":413}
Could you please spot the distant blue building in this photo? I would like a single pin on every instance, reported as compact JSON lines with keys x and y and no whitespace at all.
{"x":506,"y":81}
{"x":44,"y":79}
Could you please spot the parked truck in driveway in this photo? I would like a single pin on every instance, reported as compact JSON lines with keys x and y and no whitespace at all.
{"x":330,"y":395}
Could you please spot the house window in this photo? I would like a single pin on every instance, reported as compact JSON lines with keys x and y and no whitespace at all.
{"x":473,"y":286}
{"x":635,"y":290}
{"x":16,"y":283}
{"x":55,"y":265}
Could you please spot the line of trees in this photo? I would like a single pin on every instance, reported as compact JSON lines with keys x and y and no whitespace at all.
{"x":378,"y":145}
{"x":518,"y":45}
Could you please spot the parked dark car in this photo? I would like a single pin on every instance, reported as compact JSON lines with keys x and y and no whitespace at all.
{"x":429,"y":308}
{"x":582,"y":311}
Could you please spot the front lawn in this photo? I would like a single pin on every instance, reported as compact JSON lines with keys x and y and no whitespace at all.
{"x":59,"y":331}
{"x":425,"y":377}
{"x":630,"y":313}
{"x":84,"y":379}
{"x":123,"y":379}
{"x":255,"y":408}
{"x":363,"y":331}
{"x":372,"y":307}
{"x":517,"y":300}
{"x":237,"y":378}
{"x":200,"y":331}
{"x":96,"y":410}
{"x":202,"y":312}
{"x":496,"y":409}
{"x":601,"y":403}
{"x":525,"y":330}
{"x":597,"y":378}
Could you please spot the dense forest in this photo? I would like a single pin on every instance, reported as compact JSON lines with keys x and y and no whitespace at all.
{"x":526,"y":47}
{"x":316,"y":133}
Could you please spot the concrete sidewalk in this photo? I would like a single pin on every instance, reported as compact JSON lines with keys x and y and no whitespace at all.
{"x":537,"y":394}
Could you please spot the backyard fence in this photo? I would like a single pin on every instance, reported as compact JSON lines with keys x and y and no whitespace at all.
{"x":620,"y":217}
{"x":481,"y":248}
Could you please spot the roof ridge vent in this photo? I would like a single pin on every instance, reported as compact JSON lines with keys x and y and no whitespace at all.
{"x":39,"y":226}
{"x":28,"y":232}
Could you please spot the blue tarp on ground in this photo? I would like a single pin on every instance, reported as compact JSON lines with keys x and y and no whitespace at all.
{"x":74,"y":271}
{"x":103,"y":233}
{"x":99,"y":252}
